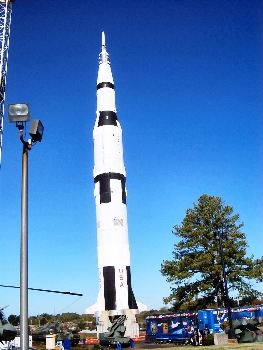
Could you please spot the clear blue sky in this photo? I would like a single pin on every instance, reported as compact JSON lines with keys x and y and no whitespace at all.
{"x":188,"y":77}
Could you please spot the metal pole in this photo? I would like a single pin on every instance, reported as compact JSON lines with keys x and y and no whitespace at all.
{"x":24,"y":254}
{"x":226,"y":297}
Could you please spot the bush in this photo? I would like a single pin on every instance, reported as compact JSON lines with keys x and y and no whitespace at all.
{"x":210,"y":339}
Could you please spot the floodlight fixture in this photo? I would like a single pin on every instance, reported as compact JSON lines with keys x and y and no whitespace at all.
{"x":36,"y":130}
{"x":18,"y":113}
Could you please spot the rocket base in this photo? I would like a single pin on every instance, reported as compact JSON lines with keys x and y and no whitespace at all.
{"x":132,"y":327}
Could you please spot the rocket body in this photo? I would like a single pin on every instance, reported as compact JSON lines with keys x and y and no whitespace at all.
{"x":115,"y":291}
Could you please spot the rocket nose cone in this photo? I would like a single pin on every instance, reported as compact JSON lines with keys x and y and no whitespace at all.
{"x":103,"y":41}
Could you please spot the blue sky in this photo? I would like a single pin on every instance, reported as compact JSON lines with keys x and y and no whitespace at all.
{"x":188,"y":78}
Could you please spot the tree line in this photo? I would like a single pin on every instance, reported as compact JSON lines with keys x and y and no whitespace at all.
{"x":82,"y":321}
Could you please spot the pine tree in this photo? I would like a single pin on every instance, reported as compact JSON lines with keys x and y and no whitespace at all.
{"x":196,"y":270}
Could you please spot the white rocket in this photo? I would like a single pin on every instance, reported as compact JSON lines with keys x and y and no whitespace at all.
{"x":115,"y":292}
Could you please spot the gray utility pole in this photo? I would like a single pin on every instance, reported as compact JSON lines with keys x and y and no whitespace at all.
{"x":19,"y":113}
{"x":24,"y":336}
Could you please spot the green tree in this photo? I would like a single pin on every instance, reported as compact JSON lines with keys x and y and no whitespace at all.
{"x":69,"y":317}
{"x":196,"y":268}
{"x":14,"y":320}
{"x":45,"y":318}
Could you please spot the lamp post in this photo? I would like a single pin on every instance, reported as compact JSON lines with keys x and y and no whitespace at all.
{"x":226,"y":296}
{"x":19,"y":114}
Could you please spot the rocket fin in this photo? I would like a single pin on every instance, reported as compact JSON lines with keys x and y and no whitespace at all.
{"x":91,"y":310}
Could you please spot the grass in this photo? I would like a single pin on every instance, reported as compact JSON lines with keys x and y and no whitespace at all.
{"x":243,"y":346}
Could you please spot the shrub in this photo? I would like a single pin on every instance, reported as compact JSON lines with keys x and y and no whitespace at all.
{"x":210,"y":339}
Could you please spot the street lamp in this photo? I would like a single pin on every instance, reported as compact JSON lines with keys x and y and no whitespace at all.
{"x":19,"y":113}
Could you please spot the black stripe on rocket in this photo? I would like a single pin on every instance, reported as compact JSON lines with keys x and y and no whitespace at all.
{"x":107,"y":118}
{"x":105,"y":84}
{"x":110,"y":288}
{"x":131,"y":298}
{"x":105,"y":191}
